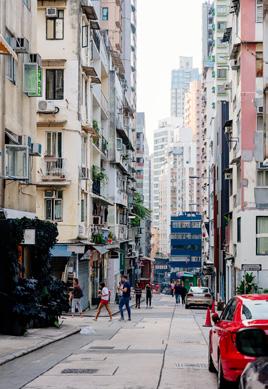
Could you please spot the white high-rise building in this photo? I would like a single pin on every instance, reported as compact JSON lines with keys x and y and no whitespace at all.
{"x":163,"y":137}
{"x":177,"y":191}
{"x":180,"y":81}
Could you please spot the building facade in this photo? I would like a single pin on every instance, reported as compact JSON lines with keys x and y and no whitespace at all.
{"x":180,"y":81}
{"x":185,"y":242}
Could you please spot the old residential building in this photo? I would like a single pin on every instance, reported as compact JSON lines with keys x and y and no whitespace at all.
{"x":19,"y":69}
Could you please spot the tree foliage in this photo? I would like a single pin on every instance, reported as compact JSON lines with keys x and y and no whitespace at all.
{"x":247,"y":284}
{"x":140,"y":211}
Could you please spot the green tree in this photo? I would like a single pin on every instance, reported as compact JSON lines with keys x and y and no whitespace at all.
{"x":247,"y":284}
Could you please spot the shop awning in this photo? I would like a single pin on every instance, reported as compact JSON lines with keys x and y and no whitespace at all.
{"x":60,"y":250}
{"x":101,"y":249}
{"x":17,"y":214}
{"x":6,"y":49}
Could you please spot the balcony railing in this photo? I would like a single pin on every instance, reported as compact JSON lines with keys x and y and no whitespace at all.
{"x":96,"y":40}
{"x":96,"y":187}
{"x":54,"y":167}
{"x":104,"y":146}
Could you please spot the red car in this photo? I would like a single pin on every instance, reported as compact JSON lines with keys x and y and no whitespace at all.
{"x":241,"y":312}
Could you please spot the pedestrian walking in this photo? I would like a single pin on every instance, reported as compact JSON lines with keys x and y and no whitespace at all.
{"x":125,"y":298}
{"x":184,"y":292}
{"x":104,"y":301}
{"x":178,"y":291}
{"x":76,"y":296}
{"x":148,"y":290}
{"x":138,"y":294}
{"x":172,"y":285}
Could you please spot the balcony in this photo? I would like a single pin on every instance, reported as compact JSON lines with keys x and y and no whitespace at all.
{"x":96,"y":187}
{"x":121,"y":198}
{"x":120,"y":231}
{"x":101,"y":144}
{"x":53,"y":171}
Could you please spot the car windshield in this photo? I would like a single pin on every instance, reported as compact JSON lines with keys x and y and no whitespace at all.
{"x":255,"y":310}
{"x":198,"y":290}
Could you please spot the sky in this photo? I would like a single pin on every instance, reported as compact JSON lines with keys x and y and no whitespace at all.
{"x":165,"y":30}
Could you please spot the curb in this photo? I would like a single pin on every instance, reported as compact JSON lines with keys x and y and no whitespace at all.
{"x":11,"y":357}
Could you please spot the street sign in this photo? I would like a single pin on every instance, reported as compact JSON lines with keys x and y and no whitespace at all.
{"x":29,"y":236}
{"x":251,"y":267}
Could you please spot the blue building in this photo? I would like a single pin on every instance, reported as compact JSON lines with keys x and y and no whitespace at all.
{"x":186,"y":241}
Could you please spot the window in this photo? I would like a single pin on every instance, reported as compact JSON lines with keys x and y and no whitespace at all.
{"x":229,"y":311}
{"x":262,"y":235}
{"x":262,"y":178}
{"x":11,"y":66}
{"x":259,"y":63}
{"x":238,"y":229}
{"x":105,"y":13}
{"x":222,"y":73}
{"x":259,"y":11}
{"x":16,"y":161}
{"x":222,"y":10}
{"x":54,"y":205}
{"x":27,"y":3}
{"x":54,"y":144}
{"x":55,"y":26}
{"x":54,"y":84}
{"x":84,"y":36}
{"x":83,"y":209}
{"x":221,"y":26}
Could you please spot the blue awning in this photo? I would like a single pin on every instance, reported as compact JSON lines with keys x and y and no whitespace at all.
{"x":60,"y":250}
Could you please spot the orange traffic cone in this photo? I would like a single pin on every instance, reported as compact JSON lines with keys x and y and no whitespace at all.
{"x":208,"y":319}
{"x":213,"y":307}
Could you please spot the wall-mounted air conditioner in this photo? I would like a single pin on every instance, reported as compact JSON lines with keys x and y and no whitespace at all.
{"x":22,"y":46}
{"x":234,"y":64}
{"x":45,"y":106}
{"x":36,"y":149}
{"x":51,"y":12}
{"x":228,"y":176}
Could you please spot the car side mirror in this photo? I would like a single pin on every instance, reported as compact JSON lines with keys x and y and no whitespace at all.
{"x":251,"y":342}
{"x":215,"y":318}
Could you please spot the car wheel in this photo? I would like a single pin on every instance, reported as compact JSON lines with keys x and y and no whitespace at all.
{"x":221,"y":381}
{"x":211,"y":366}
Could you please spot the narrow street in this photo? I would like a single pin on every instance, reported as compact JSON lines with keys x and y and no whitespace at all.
{"x":159,"y":347}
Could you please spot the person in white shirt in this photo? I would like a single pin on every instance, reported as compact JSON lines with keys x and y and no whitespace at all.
{"x":105,"y":296}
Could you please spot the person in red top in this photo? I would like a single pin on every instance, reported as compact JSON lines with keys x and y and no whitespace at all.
{"x":105,"y":297}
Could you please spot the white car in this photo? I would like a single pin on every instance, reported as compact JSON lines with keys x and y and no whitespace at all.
{"x":198,"y":296}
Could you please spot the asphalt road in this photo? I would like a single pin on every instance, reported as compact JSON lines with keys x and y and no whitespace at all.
{"x":159,"y":347}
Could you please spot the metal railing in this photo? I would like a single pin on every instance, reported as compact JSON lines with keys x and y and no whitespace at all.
{"x":54,"y":167}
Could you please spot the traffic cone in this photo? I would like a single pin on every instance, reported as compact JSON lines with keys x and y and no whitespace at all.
{"x":208,"y":319}
{"x":213,"y":307}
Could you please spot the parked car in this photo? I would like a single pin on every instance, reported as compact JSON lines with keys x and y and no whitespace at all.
{"x":198,"y":296}
{"x":253,"y":342}
{"x":243,"y":311}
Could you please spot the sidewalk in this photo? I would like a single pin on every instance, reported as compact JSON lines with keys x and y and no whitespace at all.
{"x":12,"y":347}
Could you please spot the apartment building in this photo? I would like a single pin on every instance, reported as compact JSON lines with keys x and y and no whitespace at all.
{"x":177,"y":188}
{"x":192,"y":120}
{"x":19,"y":69}
{"x":246,"y":247}
{"x":143,"y":182}
{"x":180,"y":81}
{"x":163,"y":137}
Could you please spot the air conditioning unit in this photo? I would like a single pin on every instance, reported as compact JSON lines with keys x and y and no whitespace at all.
{"x":228,"y":176}
{"x":119,"y":144}
{"x":263,"y":165}
{"x":134,"y":253}
{"x":46,"y":106}
{"x":25,"y":140}
{"x":234,"y":64}
{"x":22,"y":46}
{"x":84,"y":173}
{"x":35,"y":58}
{"x":96,"y":220}
{"x":36,"y":149}
{"x":51,"y":12}
{"x":259,"y":110}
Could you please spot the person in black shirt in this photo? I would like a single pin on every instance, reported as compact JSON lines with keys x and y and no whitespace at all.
{"x":183,"y":293}
{"x":148,"y":295}
{"x":125,"y":298}
{"x":178,"y":291}
{"x":138,"y":293}
{"x":76,"y":296}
